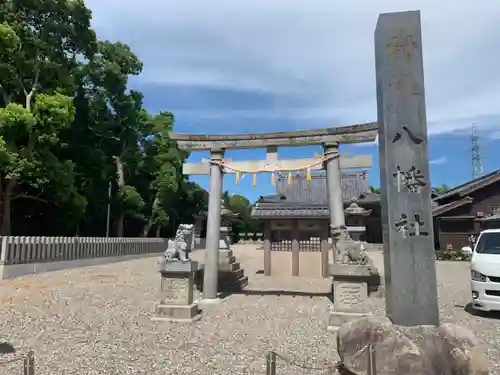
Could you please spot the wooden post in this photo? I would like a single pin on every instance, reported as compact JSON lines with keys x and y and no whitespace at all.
{"x":324,"y":248}
{"x":267,"y":248}
{"x":295,"y":248}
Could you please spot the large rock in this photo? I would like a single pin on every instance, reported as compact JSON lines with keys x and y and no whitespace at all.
{"x":422,"y":350}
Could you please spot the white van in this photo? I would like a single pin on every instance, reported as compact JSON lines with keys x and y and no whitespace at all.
{"x":485,"y":271}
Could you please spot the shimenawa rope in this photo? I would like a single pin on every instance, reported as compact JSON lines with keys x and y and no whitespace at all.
{"x":274,"y":170}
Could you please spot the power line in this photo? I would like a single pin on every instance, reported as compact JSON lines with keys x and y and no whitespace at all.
{"x":477,"y":164}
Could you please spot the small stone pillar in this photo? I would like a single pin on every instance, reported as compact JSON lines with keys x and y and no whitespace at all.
{"x":295,"y":248}
{"x":176,"y":293}
{"x":225,"y":230}
{"x":267,"y":248}
{"x":225,"y":239}
{"x":191,"y":238}
{"x":325,"y":249}
{"x":198,"y":229}
{"x":350,"y":291}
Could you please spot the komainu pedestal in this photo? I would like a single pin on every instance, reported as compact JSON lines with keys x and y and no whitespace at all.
{"x":176,"y":293}
{"x":350,"y":291}
{"x":354,"y":276}
{"x":225,"y":238}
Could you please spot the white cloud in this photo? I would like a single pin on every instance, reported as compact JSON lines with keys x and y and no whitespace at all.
{"x":491,"y":136}
{"x":439,"y":161}
{"x":317,"y":54}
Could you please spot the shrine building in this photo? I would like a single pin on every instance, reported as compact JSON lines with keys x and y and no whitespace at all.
{"x":299,"y":211}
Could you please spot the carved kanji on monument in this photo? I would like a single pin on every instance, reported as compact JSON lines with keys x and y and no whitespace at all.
{"x":406,"y":208}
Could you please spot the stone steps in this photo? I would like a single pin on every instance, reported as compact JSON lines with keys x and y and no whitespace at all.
{"x":228,"y":282}
{"x":227,"y":260}
{"x":231,"y":277}
{"x":225,"y":254}
{"x":233,"y":286}
{"x":229,"y":267}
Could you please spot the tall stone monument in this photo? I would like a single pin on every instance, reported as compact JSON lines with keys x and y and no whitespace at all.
{"x":407,"y":227}
{"x":411,"y":341}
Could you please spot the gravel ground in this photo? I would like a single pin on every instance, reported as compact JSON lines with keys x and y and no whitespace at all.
{"x":97,"y":321}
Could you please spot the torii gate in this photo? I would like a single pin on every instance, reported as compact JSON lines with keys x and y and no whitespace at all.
{"x":332,"y":161}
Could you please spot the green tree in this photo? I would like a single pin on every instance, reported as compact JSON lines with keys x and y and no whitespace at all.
{"x":374,"y":189}
{"x":41,"y":43}
{"x":192,"y":199}
{"x":162,"y":161}
{"x":120,"y":120}
{"x":441,"y":189}
{"x":71,"y":128}
{"x":240,"y":205}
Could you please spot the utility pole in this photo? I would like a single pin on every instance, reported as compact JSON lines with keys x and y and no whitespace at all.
{"x":108,"y":216}
{"x":477,"y":164}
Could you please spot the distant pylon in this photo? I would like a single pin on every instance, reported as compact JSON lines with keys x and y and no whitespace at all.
{"x":477,"y":164}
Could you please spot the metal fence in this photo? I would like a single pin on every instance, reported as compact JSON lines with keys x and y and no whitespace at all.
{"x":28,"y":362}
{"x":273,"y":356}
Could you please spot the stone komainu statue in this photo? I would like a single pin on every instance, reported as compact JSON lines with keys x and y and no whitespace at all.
{"x":349,"y":251}
{"x":178,"y":249}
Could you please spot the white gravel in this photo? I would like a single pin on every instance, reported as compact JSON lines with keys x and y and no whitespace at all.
{"x":97,"y":321}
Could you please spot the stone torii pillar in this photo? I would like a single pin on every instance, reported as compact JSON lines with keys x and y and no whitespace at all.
{"x":335,"y":201}
{"x":211,"y":269}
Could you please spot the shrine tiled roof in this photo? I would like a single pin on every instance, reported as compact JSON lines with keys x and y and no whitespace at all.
{"x":302,"y":198}
{"x":290,"y":212}
{"x":300,"y":190}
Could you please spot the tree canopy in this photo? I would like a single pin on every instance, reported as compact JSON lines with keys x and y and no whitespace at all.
{"x":441,"y":189}
{"x":243,"y":223}
{"x":75,"y":138}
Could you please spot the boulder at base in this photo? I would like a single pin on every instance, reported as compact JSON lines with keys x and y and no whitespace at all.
{"x":422,"y":350}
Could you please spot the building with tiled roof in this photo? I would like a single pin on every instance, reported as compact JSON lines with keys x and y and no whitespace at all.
{"x":463,"y":210}
{"x":466,"y":209}
{"x":302,"y":198}
{"x":307,"y":202}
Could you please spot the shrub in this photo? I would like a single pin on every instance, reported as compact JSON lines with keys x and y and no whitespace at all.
{"x":451,"y":254}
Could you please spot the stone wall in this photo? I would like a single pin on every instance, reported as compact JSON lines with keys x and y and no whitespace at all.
{"x":30,"y":255}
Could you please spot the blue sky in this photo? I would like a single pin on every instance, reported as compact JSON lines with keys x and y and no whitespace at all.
{"x":281,"y":65}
